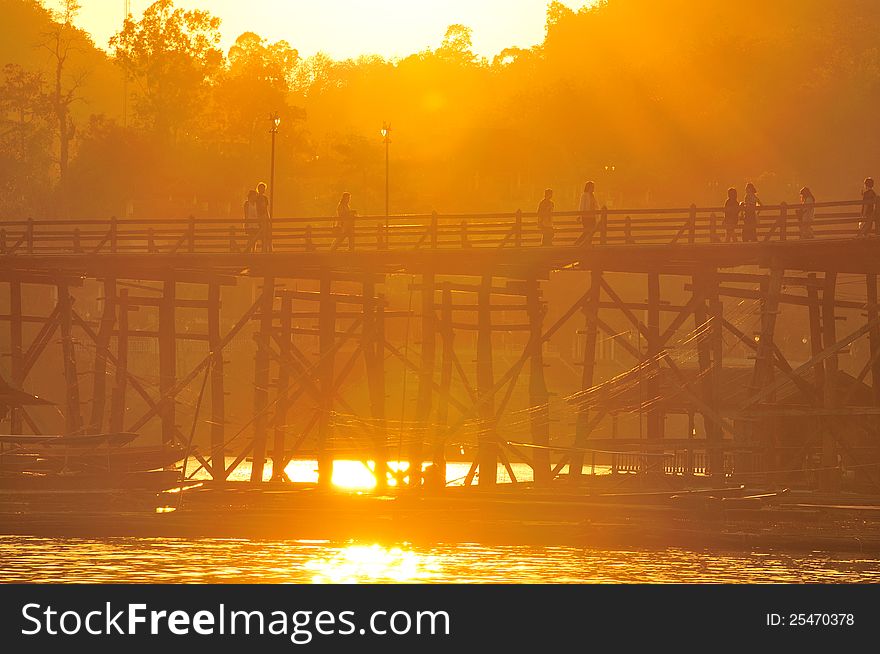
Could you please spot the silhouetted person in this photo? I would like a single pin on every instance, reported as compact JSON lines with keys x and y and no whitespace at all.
{"x":731,"y":216}
{"x":545,"y":218}
{"x":808,"y":212}
{"x":588,"y":207}
{"x":750,"y":214}
{"x":263,"y":214}
{"x":251,"y":220}
{"x":345,"y":224}
{"x":869,"y":208}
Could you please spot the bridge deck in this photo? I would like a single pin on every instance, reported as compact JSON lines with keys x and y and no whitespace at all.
{"x":842,"y":255}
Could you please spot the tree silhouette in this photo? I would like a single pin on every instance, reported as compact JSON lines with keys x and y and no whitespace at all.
{"x":172,"y":56}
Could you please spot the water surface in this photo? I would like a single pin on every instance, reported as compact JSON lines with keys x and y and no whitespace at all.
{"x":171,"y":560}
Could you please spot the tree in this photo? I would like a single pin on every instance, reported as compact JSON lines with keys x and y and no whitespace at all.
{"x":457,"y":44}
{"x":256,"y":82}
{"x":25,"y":139}
{"x":62,"y":39}
{"x":171,"y":55}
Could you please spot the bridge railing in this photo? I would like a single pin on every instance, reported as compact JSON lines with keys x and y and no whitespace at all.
{"x":607,"y":227}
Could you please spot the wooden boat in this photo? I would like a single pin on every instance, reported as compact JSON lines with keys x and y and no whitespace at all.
{"x":91,"y":453}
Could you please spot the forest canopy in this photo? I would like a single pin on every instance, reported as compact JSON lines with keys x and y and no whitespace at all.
{"x":661,"y":103}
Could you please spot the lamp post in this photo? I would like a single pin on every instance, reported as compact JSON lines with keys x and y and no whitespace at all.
{"x":273,"y":130}
{"x":386,"y":136}
{"x":609,"y":176}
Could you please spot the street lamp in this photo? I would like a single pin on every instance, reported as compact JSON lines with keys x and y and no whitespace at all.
{"x":386,"y":136}
{"x":273,"y":130}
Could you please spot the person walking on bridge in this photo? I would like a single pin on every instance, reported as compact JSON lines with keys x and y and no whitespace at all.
{"x":731,"y":216}
{"x":807,"y":213}
{"x":345,"y":222}
{"x":869,"y":208}
{"x":750,"y":205}
{"x":545,"y":218}
{"x":251,"y":221}
{"x":588,"y":207}
{"x":263,"y":215}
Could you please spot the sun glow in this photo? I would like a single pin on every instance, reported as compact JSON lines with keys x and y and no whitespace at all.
{"x":360,"y":563}
{"x":349,"y":28}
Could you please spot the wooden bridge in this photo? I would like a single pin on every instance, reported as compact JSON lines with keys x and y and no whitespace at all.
{"x":658,"y":286}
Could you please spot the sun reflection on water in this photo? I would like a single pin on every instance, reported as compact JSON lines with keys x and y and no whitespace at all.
{"x":373,"y":563}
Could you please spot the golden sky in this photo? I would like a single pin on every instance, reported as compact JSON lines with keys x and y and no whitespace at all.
{"x":347,"y":28}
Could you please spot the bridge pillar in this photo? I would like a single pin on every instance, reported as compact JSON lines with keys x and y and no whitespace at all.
{"x":591,"y":330}
{"x":102,"y":345}
{"x":117,"y":399}
{"x":487,"y":455}
{"x":538,"y":395}
{"x":73,"y":417}
{"x":829,"y":479}
{"x":326,"y":349}
{"x":218,"y":395}
{"x":167,"y":360}
{"x":447,"y":340}
{"x":426,"y":382}
{"x":16,"y":350}
{"x":261,"y":379}
{"x":373,"y":345}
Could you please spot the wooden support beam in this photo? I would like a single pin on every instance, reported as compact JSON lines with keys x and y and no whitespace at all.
{"x":16,"y":352}
{"x":582,"y":424}
{"x":183,"y":383}
{"x":327,"y":328}
{"x":117,"y":400}
{"x":655,"y":418}
{"x":424,"y":398}
{"x":813,"y":309}
{"x":874,"y":335}
{"x":40,"y":341}
{"x":282,"y":398}
{"x":261,"y":380}
{"x":487,"y":455}
{"x":784,"y":298}
{"x":829,"y":351}
{"x":539,"y":398}
{"x":779,"y":360}
{"x":72,"y":413}
{"x":447,"y":340}
{"x":709,"y":354}
{"x":102,"y":345}
{"x":167,"y":361}
{"x":218,"y":394}
{"x":830,"y":477}
{"x":372,"y":344}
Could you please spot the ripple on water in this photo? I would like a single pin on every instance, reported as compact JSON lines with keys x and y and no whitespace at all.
{"x":153,"y":560}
